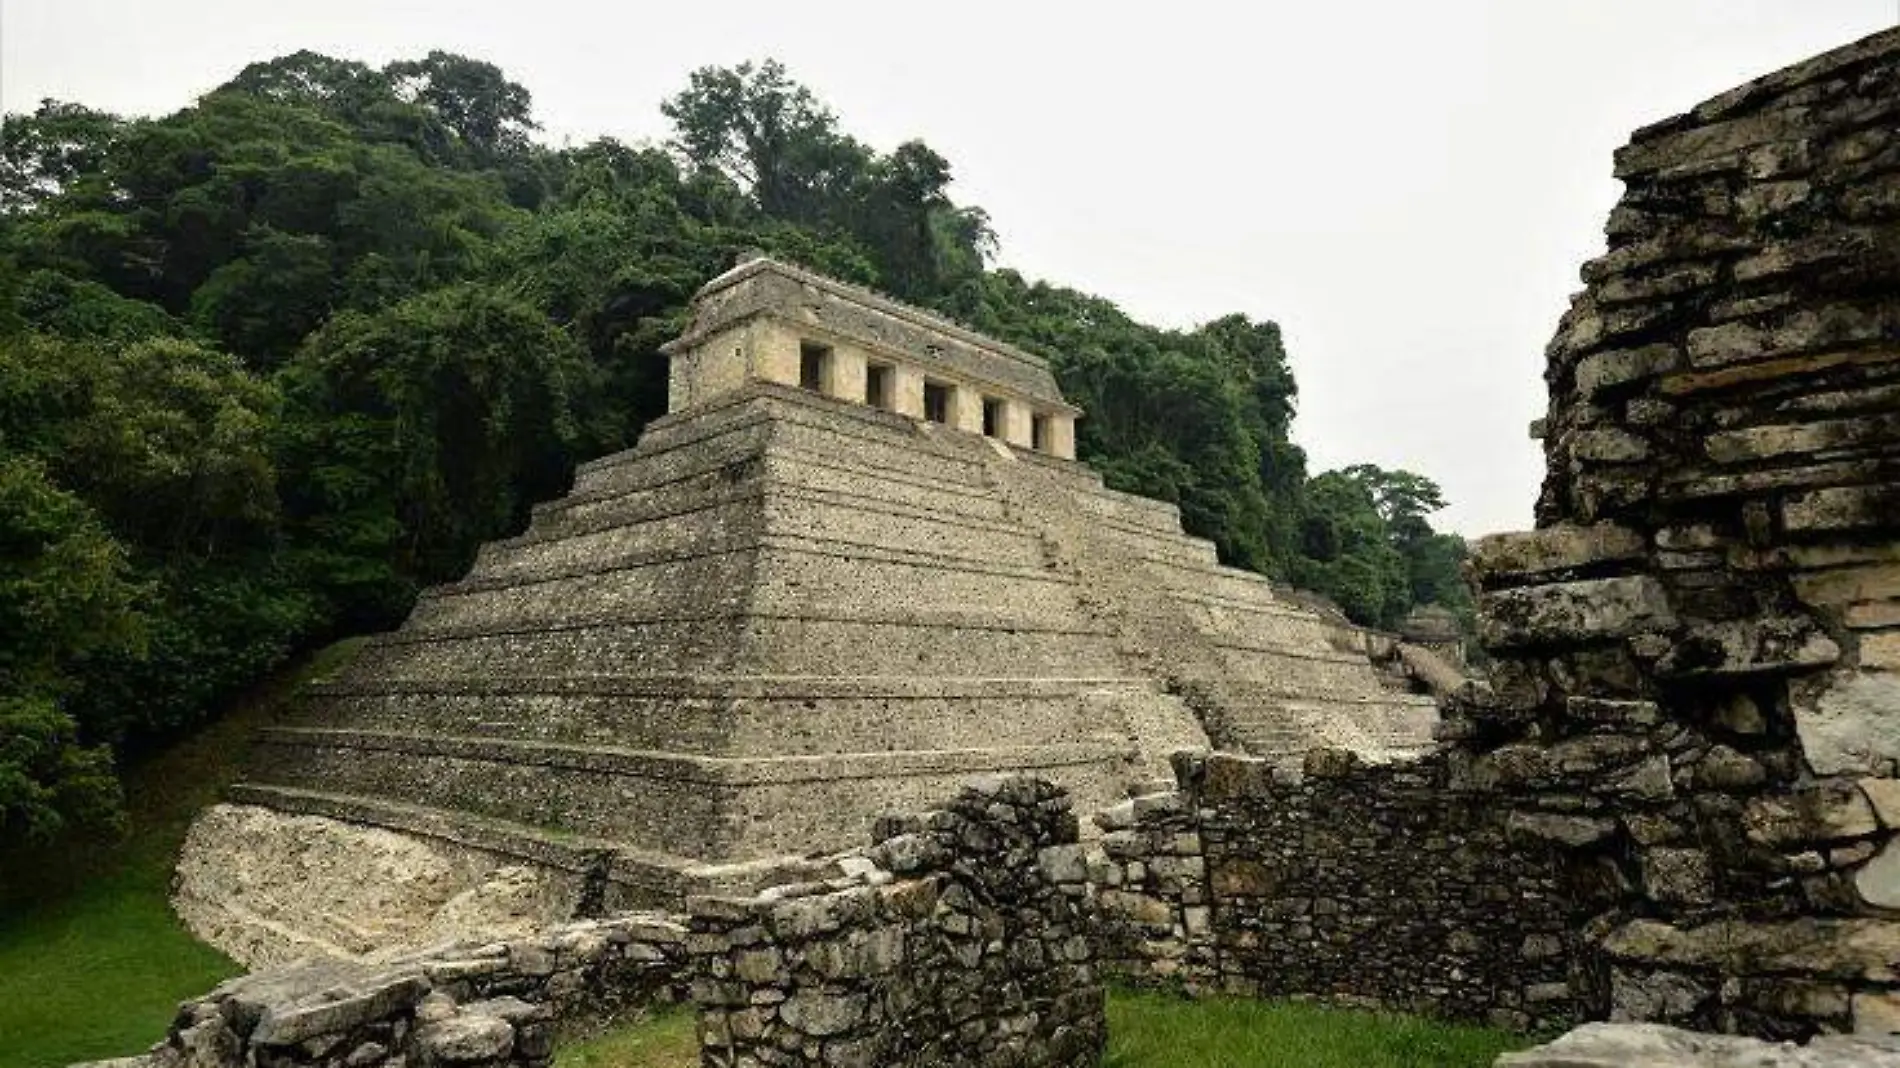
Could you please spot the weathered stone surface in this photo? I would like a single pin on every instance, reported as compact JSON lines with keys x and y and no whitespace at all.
{"x":1862,"y":949}
{"x":815,"y":1012}
{"x":1656,"y":996}
{"x":1587,"y":609}
{"x":1846,"y":507}
{"x":1827,"y":812}
{"x":1554,"y":549}
{"x":1678,"y":876}
{"x":465,"y":1040}
{"x":1878,"y":881}
{"x":1851,"y":727}
{"x":1884,"y":795}
{"x":1750,"y":646}
{"x":270,"y":888}
{"x":1877,"y":1014}
{"x":1638,"y":1045}
{"x":1571,"y":831}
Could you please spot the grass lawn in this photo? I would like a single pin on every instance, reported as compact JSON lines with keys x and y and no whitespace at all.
{"x":1160,"y":1031}
{"x":92,"y":962}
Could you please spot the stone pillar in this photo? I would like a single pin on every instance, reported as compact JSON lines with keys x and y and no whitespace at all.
{"x":1062,"y":435}
{"x":966,"y":409}
{"x":907,"y":391}
{"x":772,"y":353}
{"x":844,"y":373}
{"x":1016,"y":428}
{"x":679,"y":380}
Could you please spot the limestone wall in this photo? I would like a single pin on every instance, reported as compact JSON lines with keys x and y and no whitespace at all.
{"x":958,"y":939}
{"x":1373,"y":885}
{"x":1698,"y":651}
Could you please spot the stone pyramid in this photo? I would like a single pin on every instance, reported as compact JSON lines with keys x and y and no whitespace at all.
{"x":854,"y":565}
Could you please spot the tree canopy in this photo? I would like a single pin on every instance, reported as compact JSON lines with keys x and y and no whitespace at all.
{"x":273,"y":362}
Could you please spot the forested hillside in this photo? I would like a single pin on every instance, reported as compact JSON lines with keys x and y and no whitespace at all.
{"x":272,"y":363}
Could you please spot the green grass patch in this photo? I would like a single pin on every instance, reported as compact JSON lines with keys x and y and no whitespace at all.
{"x":93,"y":963}
{"x":1161,"y":1031}
{"x":665,"y":1039}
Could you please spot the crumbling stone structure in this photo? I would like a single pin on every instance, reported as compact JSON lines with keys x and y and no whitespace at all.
{"x":1377,"y":886}
{"x":478,"y":1006}
{"x":1698,"y":650}
{"x":823,"y":587}
{"x":958,"y":939}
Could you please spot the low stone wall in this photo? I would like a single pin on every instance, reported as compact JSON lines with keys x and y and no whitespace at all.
{"x":1376,"y":885}
{"x":466,"y":1004}
{"x":959,"y":938}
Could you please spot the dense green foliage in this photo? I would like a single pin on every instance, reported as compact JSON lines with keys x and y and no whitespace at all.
{"x":271,"y":363}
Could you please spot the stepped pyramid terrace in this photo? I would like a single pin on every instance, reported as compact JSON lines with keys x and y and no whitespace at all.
{"x":855,"y":565}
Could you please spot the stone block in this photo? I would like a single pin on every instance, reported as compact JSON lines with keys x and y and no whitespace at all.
{"x":1880,"y":651}
{"x":1878,"y":881}
{"x":1749,"y":647}
{"x":1650,"y":996}
{"x":821,"y":1014}
{"x":1826,"y":812}
{"x":1570,"y":831}
{"x":465,"y":1039}
{"x":1849,"y":726}
{"x":1866,"y":950}
{"x":1607,"y":445}
{"x":1877,"y":1013}
{"x":1848,"y":507}
{"x":1678,"y":877}
{"x":1575,"y":612}
{"x":1554,"y":549}
{"x":1845,"y":585}
{"x":1647,"y":1045}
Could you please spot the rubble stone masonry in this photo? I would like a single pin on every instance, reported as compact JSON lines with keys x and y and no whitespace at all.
{"x":1697,"y":687}
{"x":1370,"y":885}
{"x":959,"y":938}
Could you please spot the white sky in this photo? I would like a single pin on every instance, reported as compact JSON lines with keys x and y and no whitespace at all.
{"x":1407,"y":188}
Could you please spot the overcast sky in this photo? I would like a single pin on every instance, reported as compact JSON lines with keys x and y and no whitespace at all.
{"x":1407,"y":188}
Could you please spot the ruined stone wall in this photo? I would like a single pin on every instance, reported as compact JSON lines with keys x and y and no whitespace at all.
{"x":1371,"y":885}
{"x":959,"y":938}
{"x":471,"y":1004}
{"x":1698,"y":651}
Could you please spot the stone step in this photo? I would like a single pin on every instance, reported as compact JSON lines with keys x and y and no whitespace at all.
{"x":756,"y":504}
{"x":658,"y":801}
{"x":1159,"y":516}
{"x":735,"y":716}
{"x":976,"y":644}
{"x":773,"y":575}
{"x":636,"y":878}
{"x":1174,"y":546}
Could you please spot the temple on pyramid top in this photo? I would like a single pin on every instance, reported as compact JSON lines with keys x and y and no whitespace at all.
{"x":767,"y":321}
{"x":854,"y":566}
